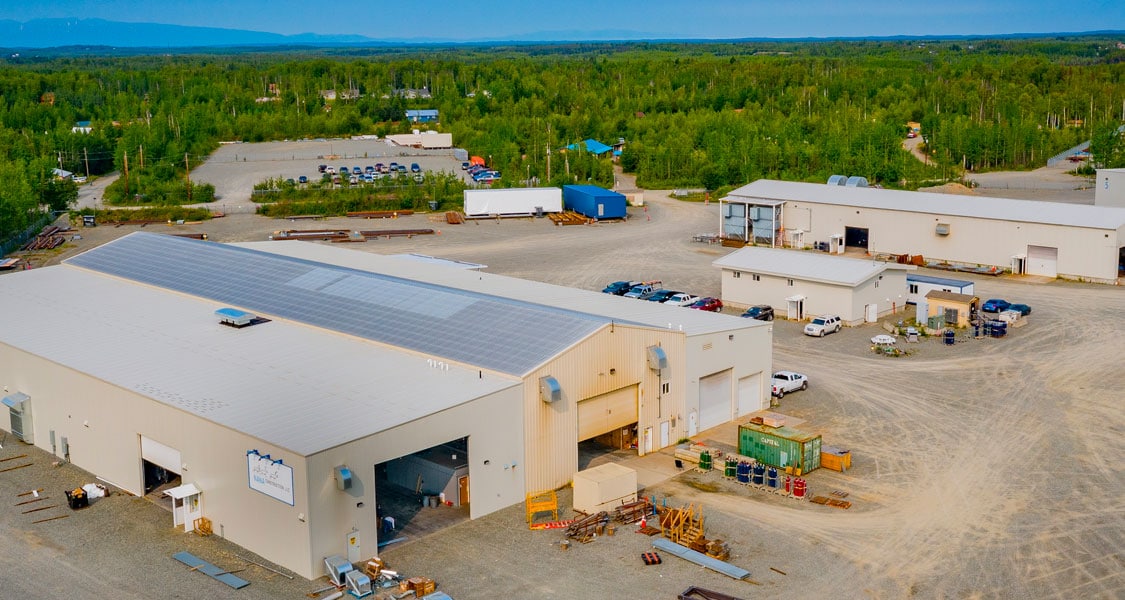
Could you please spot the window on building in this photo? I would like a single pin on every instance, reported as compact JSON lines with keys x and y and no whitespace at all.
{"x":790,"y":282}
{"x":757,"y":277}
{"x":666,"y":388}
{"x":876,"y":283}
{"x":914,"y":288}
{"x":738,"y":274}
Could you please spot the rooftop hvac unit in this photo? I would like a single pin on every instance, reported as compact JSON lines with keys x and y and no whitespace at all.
{"x":837,"y":180}
{"x":856,"y":181}
{"x":234,"y":317}
{"x":657,"y":359}
{"x":549,"y":389}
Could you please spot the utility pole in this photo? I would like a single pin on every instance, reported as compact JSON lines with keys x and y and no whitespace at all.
{"x":548,"y":163}
{"x":60,"y":159}
{"x":187,"y":176}
{"x":87,"y":159}
{"x":142,"y":157}
{"x":126,"y":174}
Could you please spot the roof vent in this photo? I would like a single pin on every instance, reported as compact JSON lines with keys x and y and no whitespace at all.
{"x":233,"y":317}
{"x":657,"y":359}
{"x":856,"y":181}
{"x":837,"y":180}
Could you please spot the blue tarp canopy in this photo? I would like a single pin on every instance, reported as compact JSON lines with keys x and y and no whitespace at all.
{"x":592,"y":145}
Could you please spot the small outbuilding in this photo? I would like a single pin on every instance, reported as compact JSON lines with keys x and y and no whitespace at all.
{"x":800,"y":284}
{"x":917,"y":286}
{"x":957,"y":309}
{"x":594,"y":202}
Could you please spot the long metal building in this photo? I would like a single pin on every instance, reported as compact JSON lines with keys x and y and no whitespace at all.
{"x":274,"y":383}
{"x":1050,"y":239}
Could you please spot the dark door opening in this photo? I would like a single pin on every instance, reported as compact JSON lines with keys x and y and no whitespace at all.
{"x":614,"y":446}
{"x":423,"y":492}
{"x":856,"y":237}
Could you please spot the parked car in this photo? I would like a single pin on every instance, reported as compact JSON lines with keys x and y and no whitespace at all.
{"x":1023,"y":309}
{"x":465,"y":166}
{"x":761,"y":312}
{"x":489,"y":178}
{"x":79,"y":179}
{"x":321,"y":168}
{"x":788,"y":381}
{"x":401,"y":168}
{"x":354,"y":180}
{"x":414,"y":168}
{"x":660,"y":295}
{"x":330,"y":170}
{"x":823,"y":325}
{"x":645,"y":287}
{"x":708,"y":303}
{"x":380,"y":168}
{"x":995,"y":305}
{"x":681,"y":299}
{"x":618,"y":288}
{"x":302,"y":179}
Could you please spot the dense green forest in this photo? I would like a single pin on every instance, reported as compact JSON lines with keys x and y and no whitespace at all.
{"x":690,"y":115}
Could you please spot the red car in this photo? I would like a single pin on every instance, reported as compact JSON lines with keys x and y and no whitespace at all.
{"x":711,"y":304}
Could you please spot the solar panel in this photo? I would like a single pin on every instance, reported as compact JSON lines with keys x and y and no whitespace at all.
{"x":502,"y":334}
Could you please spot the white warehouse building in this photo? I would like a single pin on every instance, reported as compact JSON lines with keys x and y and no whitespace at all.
{"x":1050,"y":239}
{"x":117,"y":360}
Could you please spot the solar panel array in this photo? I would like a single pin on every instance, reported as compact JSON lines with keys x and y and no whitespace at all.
{"x":501,"y":334}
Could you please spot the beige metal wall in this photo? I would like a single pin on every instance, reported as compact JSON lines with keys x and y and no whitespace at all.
{"x":887,"y":291}
{"x":612,"y":358}
{"x":1109,"y":188}
{"x":746,"y":352}
{"x":103,"y":424}
{"x":1084,"y":253}
{"x":494,"y":426}
{"x":820,"y":298}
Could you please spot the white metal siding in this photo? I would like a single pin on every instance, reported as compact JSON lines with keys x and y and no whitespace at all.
{"x":1042,"y":260}
{"x":714,"y":400}
{"x":604,"y":413}
{"x":165,"y":457}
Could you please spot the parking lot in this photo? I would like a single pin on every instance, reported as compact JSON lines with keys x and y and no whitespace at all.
{"x":986,"y":469}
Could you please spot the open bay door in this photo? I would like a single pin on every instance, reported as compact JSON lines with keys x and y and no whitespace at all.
{"x":606,"y":412}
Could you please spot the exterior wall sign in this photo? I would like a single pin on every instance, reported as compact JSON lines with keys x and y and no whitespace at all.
{"x":270,"y":477}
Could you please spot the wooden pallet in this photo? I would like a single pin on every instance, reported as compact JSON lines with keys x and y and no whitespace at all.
{"x":826,"y":501}
{"x":568,"y":218}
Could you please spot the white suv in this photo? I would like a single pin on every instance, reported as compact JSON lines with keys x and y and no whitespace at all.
{"x":822,"y":325}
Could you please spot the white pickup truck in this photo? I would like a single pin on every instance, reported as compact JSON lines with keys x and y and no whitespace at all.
{"x":788,"y":381}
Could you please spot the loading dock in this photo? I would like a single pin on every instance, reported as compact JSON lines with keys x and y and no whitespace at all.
{"x":1042,"y":260}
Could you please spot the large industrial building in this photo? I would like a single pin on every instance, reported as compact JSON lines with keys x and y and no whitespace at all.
{"x":988,"y":234}
{"x":276,"y":378}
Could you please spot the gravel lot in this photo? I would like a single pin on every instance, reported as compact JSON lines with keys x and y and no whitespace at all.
{"x":987,"y":469}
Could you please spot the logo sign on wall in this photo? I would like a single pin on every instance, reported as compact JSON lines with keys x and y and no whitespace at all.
{"x":270,"y":477}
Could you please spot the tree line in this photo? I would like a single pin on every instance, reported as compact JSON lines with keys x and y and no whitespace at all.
{"x":690,"y":115}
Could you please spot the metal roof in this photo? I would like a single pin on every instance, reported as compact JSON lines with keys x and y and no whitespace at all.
{"x":809,"y":266}
{"x":951,"y":296}
{"x":295,"y":387}
{"x":613,"y":308}
{"x":492,"y":332}
{"x":957,"y":283}
{"x":1002,"y":209}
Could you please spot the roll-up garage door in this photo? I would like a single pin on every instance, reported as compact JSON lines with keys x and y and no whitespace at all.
{"x":165,"y":457}
{"x":606,"y":412}
{"x":714,"y":400}
{"x":1043,"y":260}
{"x":750,"y":394}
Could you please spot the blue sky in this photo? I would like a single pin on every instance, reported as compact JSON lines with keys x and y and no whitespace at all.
{"x":506,"y":19}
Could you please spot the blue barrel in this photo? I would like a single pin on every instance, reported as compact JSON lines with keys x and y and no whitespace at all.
{"x":759,"y":474}
{"x":743,"y":472}
{"x":949,"y":339}
{"x":976,"y":329}
{"x":771,"y":478}
{"x":999,"y":328}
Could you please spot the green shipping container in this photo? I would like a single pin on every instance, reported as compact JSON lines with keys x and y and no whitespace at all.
{"x":779,"y":446}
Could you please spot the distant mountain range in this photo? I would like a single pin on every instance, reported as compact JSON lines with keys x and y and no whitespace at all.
{"x":78,"y":33}
{"x":52,"y":33}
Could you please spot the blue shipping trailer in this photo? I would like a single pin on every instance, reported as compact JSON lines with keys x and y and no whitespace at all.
{"x":594,"y":202}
